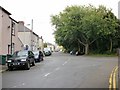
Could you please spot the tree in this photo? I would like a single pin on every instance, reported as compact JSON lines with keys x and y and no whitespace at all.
{"x":81,"y":25}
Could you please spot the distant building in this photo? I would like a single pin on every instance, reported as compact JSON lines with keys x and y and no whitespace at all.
{"x":41,"y":44}
{"x":9,"y":41}
{"x":30,"y":40}
{"x":24,"y":34}
{"x":51,"y":46}
{"x":35,"y":41}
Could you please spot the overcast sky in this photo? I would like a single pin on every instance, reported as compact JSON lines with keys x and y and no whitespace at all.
{"x":41,"y":10}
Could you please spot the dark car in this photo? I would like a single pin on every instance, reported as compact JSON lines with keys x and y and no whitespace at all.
{"x":38,"y":56}
{"x":23,"y":58}
{"x":79,"y":53}
{"x":73,"y":52}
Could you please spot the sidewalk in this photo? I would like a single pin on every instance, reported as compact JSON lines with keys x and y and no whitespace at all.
{"x":3,"y":68}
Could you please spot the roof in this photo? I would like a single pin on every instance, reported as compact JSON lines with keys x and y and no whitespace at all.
{"x":5,"y":11}
{"x":35,"y":34}
{"x":20,"y":40}
{"x":13,"y":19}
{"x":24,"y":29}
{"x":49,"y":43}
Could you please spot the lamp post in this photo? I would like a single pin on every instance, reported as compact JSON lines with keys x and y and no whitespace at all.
{"x":32,"y":35}
{"x":24,"y":37}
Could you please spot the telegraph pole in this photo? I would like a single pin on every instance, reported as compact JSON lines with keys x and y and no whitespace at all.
{"x":32,"y":35}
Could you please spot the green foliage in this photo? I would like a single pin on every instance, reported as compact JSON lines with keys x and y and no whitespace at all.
{"x":81,"y":26}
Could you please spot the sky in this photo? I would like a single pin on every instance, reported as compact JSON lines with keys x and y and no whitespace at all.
{"x":41,"y":10}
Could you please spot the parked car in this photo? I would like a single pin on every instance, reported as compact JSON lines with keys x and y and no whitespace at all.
{"x":22,"y":58}
{"x":47,"y":52}
{"x":38,"y":56}
{"x":73,"y":52}
{"x":79,"y":53}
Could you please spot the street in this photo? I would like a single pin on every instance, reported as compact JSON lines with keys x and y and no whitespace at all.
{"x":62,"y":70}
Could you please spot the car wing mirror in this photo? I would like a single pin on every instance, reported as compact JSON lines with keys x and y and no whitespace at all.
{"x":9,"y":56}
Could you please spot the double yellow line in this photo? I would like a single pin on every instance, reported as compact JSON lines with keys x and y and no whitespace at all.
{"x":113,"y":79}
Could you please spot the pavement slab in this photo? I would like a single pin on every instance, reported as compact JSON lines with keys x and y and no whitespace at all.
{"x":3,"y":68}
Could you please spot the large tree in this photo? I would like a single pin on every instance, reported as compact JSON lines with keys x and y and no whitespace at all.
{"x":83,"y":25}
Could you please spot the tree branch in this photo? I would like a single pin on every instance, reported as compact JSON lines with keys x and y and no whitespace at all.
{"x":81,"y":42}
{"x":84,"y":37}
{"x":93,"y":41}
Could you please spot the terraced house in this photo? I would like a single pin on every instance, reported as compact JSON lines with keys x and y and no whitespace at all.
{"x":9,"y":41}
{"x":29,"y":38}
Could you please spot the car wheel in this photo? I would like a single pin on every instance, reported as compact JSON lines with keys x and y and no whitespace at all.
{"x":42,"y":59}
{"x":39,"y":60}
{"x":10,"y":68}
{"x":33,"y":63}
{"x":27,"y":66}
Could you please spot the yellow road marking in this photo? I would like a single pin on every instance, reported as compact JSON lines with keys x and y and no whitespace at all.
{"x":112,"y":79}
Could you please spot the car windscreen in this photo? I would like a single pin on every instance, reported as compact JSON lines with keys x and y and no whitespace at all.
{"x":36,"y":53}
{"x":20,"y":54}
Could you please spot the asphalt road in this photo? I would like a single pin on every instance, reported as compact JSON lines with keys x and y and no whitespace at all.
{"x":63,"y":71}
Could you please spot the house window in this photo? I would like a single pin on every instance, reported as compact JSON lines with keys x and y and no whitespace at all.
{"x":13,"y":28}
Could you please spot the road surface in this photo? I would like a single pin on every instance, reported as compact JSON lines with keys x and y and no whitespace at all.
{"x":63,"y":71}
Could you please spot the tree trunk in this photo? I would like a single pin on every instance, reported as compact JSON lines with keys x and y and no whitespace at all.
{"x":111,"y":45}
{"x":86,"y":49}
{"x":78,"y":46}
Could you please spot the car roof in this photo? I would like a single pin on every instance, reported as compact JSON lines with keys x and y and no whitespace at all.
{"x":36,"y":51}
{"x":23,"y":50}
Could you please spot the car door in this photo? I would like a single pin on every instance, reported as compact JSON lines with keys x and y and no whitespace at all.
{"x":31,"y":56}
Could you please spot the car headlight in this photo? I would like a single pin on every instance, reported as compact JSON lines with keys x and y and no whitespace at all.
{"x":23,"y":59}
{"x":9,"y":60}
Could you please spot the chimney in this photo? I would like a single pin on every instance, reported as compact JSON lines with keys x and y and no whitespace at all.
{"x":41,"y":37}
{"x":21,"y":22}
